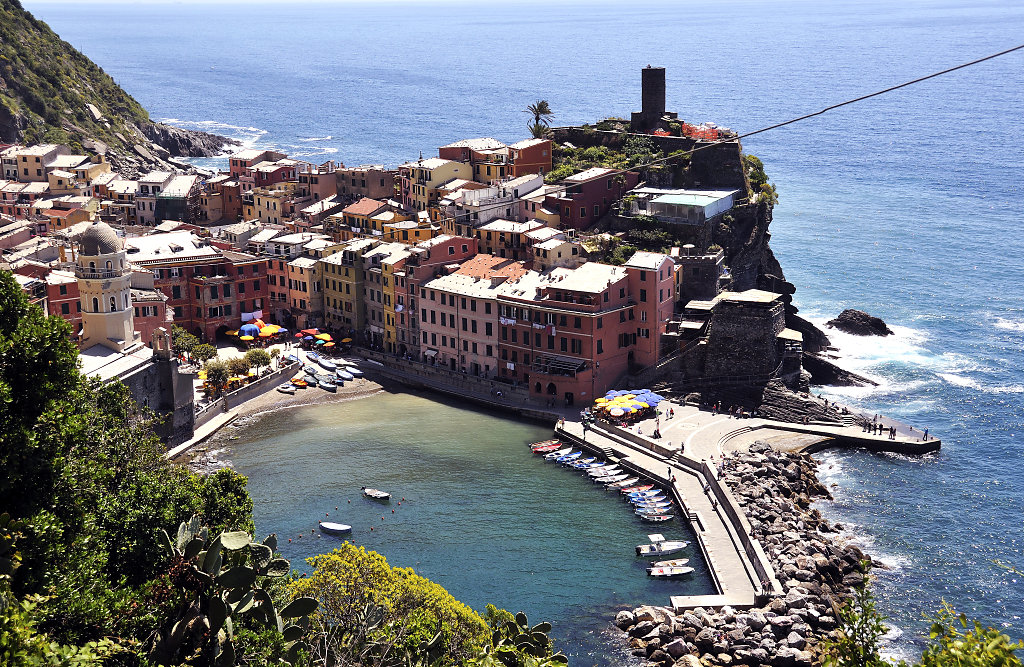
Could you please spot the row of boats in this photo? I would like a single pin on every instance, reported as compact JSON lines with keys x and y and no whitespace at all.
{"x":650,"y":503}
{"x":320,"y":372}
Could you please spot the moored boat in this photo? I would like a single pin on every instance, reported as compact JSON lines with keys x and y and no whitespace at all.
{"x":548,"y":449}
{"x":625,"y":482}
{"x":646,"y":494}
{"x":569,"y":457}
{"x":660,"y":546}
{"x":604,"y":470}
{"x":335,"y":528}
{"x":551,"y":456}
{"x":376,"y":494}
{"x":543,"y":443}
{"x":636,"y":488}
{"x":582,"y":462}
{"x":673,"y":562}
{"x":613,"y":478}
{"x":668,"y":572}
{"x":656,"y":518}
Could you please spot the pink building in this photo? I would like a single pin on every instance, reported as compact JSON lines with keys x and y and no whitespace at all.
{"x":585,"y":198}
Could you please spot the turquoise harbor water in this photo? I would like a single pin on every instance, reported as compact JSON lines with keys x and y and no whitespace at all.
{"x":481,"y":514}
{"x":908,"y":206}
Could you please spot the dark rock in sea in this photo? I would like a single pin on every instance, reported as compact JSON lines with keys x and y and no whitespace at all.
{"x":824,"y":372}
{"x":859,"y":323}
{"x":815,"y":339}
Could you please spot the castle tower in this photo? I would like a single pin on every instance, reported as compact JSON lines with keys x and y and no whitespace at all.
{"x":652,"y":101}
{"x":104,"y":284}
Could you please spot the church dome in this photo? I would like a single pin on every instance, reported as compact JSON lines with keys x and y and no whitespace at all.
{"x":99,"y":238}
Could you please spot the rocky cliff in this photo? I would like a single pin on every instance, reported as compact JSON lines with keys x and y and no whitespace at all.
{"x":50,"y":92}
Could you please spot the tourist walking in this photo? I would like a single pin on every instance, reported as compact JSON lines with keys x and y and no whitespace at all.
{"x":926,"y":434}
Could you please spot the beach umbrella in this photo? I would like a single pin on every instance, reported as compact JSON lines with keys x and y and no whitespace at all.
{"x":321,"y":342}
{"x":259,"y":323}
{"x":617,"y":412}
{"x":282,"y":330}
{"x":249,"y":330}
{"x":328,"y":344}
{"x":307,"y":338}
{"x":266,"y":334}
{"x":323,"y":336}
{"x":233,"y":332}
{"x":346,"y":340}
{"x":298,"y":335}
{"x":643,"y":405}
{"x":245,"y":338}
{"x":270,"y":328}
{"x":311,"y":332}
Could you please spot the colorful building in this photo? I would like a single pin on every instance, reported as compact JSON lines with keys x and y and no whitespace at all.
{"x":420,"y":180}
{"x":584,"y":198}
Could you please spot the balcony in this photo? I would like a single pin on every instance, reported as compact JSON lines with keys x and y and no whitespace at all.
{"x":99,"y":274}
{"x":558,"y":365}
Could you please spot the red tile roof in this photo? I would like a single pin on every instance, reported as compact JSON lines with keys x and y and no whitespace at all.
{"x":364,"y":206}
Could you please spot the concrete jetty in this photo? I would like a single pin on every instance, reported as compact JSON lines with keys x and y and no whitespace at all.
{"x":684,"y":460}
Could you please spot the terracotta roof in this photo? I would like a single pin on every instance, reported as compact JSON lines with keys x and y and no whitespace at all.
{"x":364,"y":206}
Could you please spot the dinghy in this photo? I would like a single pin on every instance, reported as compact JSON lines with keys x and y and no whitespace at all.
{"x":674,"y":562}
{"x":313,"y":356}
{"x":551,"y":456}
{"x":376,"y":494}
{"x":334,"y":528}
{"x":569,"y":457}
{"x":344,"y":374}
{"x":623,"y":483}
{"x":656,"y":518}
{"x":326,"y":364}
{"x":612,"y":479}
{"x":286,"y":388}
{"x":636,"y":489}
{"x":543,"y":443}
{"x":668,"y":572}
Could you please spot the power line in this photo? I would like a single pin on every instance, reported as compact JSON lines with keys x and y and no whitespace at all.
{"x":794,"y":120}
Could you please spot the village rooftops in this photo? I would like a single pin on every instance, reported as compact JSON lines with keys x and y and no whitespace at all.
{"x":248,"y":154}
{"x":542,"y":234}
{"x":38,"y":149}
{"x":749,"y":296}
{"x":427,"y":163}
{"x":173,"y":246}
{"x":58,"y":277}
{"x":123,"y":187}
{"x":430,"y":243}
{"x":589,"y":174}
{"x":358,"y":245}
{"x":303,"y":263}
{"x":480,"y":144}
{"x":298,"y":237}
{"x":180,"y":186}
{"x":321,"y":206}
{"x":648,"y":261}
{"x":318,"y":244}
{"x":60,"y":173}
{"x":488,"y":266}
{"x":693,"y":197}
{"x":156,"y":178}
{"x":105,"y":178}
{"x":551,"y":244}
{"x":364,"y":206}
{"x":509,"y":226}
{"x":591,"y":278}
{"x":35,"y":188}
{"x":526,"y":143}
{"x":66,"y":161}
{"x":241,"y":228}
{"x":263,"y":235}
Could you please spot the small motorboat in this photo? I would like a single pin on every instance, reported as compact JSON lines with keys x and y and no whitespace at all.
{"x":601,"y":471}
{"x":589,"y":466}
{"x":313,"y":356}
{"x":343,"y":374}
{"x":335,"y":528}
{"x":662,"y":506}
{"x":659,"y":546}
{"x":607,"y":475}
{"x":286,"y":388}
{"x":636,"y":489}
{"x":551,"y":456}
{"x":637,"y":502}
{"x":310,"y":370}
{"x":582,"y":462}
{"x":329,"y":385}
{"x":353,"y":371}
{"x":625,"y":482}
{"x":669,"y":572}
{"x":291,"y":357}
{"x":299,"y":382}
{"x":543,"y":443}
{"x":612,"y":479}
{"x":656,"y":518}
{"x":376,"y":494}
{"x":647,"y":494}
{"x":568,"y":458}
{"x":674,"y":562}
{"x":326,"y":364}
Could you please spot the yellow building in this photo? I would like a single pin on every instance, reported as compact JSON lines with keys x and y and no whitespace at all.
{"x":305,"y":292}
{"x":270,"y":205}
{"x":342,"y":287}
{"x":422,"y":180}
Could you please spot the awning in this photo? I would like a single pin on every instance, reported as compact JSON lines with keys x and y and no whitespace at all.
{"x":430,"y":353}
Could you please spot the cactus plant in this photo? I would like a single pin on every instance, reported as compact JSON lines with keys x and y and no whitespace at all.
{"x":517,"y":644}
{"x":221,"y":584}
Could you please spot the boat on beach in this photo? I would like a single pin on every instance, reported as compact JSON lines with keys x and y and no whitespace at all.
{"x":299,"y":382}
{"x":376,"y":494}
{"x":660,"y":546}
{"x":328,"y":385}
{"x":335,"y":528}
{"x":669,"y":572}
{"x":326,"y":364}
{"x":353,"y":371}
{"x":287,"y":388}
{"x":313,"y":357}
{"x":310,"y":370}
{"x":344,"y":374}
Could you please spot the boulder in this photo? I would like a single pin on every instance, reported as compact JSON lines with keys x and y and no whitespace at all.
{"x":756,"y":620}
{"x":676,"y":648}
{"x":785,"y":657}
{"x":705,"y":639}
{"x":625,"y":619}
{"x":859,"y":323}
{"x":804,"y":659}
{"x":660,"y":657}
{"x":796,"y":640}
{"x":642,"y":628}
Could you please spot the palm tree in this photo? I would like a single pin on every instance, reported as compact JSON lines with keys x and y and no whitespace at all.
{"x":542,"y":115}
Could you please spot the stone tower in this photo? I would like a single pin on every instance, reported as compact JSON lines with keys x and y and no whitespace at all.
{"x":104,"y":285}
{"x":652,"y":114}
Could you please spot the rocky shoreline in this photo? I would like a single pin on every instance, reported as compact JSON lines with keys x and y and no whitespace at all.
{"x":816,"y":570}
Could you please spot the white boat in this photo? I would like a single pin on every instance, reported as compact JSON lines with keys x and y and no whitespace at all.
{"x":579,"y":463}
{"x":659,"y":546}
{"x":286,"y":388}
{"x":343,"y":374}
{"x":613,"y":478}
{"x":656,"y":518}
{"x":609,"y":469}
{"x":335,"y":528}
{"x":376,"y":494}
{"x":558,"y":452}
{"x":355,"y":372}
{"x":668,"y":572}
{"x":326,"y":364}
{"x":674,"y":562}
{"x":625,"y":482}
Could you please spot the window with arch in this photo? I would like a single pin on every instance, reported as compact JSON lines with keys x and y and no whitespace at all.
{"x":113,"y":304}
{"x":92,"y":266}
{"x":95,"y":305}
{"x":109,"y":265}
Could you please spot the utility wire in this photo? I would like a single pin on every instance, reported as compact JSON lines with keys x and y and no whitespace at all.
{"x":890,"y":89}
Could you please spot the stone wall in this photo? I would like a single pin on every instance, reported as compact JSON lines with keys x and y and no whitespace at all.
{"x":161,"y":388}
{"x":742,"y":339}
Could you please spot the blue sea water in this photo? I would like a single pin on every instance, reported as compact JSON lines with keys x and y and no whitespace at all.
{"x":908,"y":205}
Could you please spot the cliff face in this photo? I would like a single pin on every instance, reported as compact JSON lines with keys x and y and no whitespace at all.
{"x":50,"y":92}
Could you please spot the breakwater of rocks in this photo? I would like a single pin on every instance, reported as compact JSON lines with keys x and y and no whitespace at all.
{"x":817,"y":572}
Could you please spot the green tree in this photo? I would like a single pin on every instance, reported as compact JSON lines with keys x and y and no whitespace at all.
{"x":969,"y":645}
{"x":203,"y":352}
{"x":541,"y":112}
{"x":759,"y":184}
{"x":217,"y":374}
{"x":862,"y":629}
{"x":182,"y":342}
{"x":258,"y":358}
{"x":275,"y":354}
{"x":238,"y":366}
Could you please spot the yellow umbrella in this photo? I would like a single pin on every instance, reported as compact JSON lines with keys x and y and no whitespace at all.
{"x":233,"y":332}
{"x":322,"y":336}
{"x":201,"y":375}
{"x":346,"y":340}
{"x":270,"y":329}
{"x":245,"y":338}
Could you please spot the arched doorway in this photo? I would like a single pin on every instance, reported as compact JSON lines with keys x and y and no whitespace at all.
{"x":537,"y":388}
{"x":552,"y":389}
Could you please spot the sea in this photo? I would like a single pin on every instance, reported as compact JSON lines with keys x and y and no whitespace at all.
{"x":906,"y":205}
